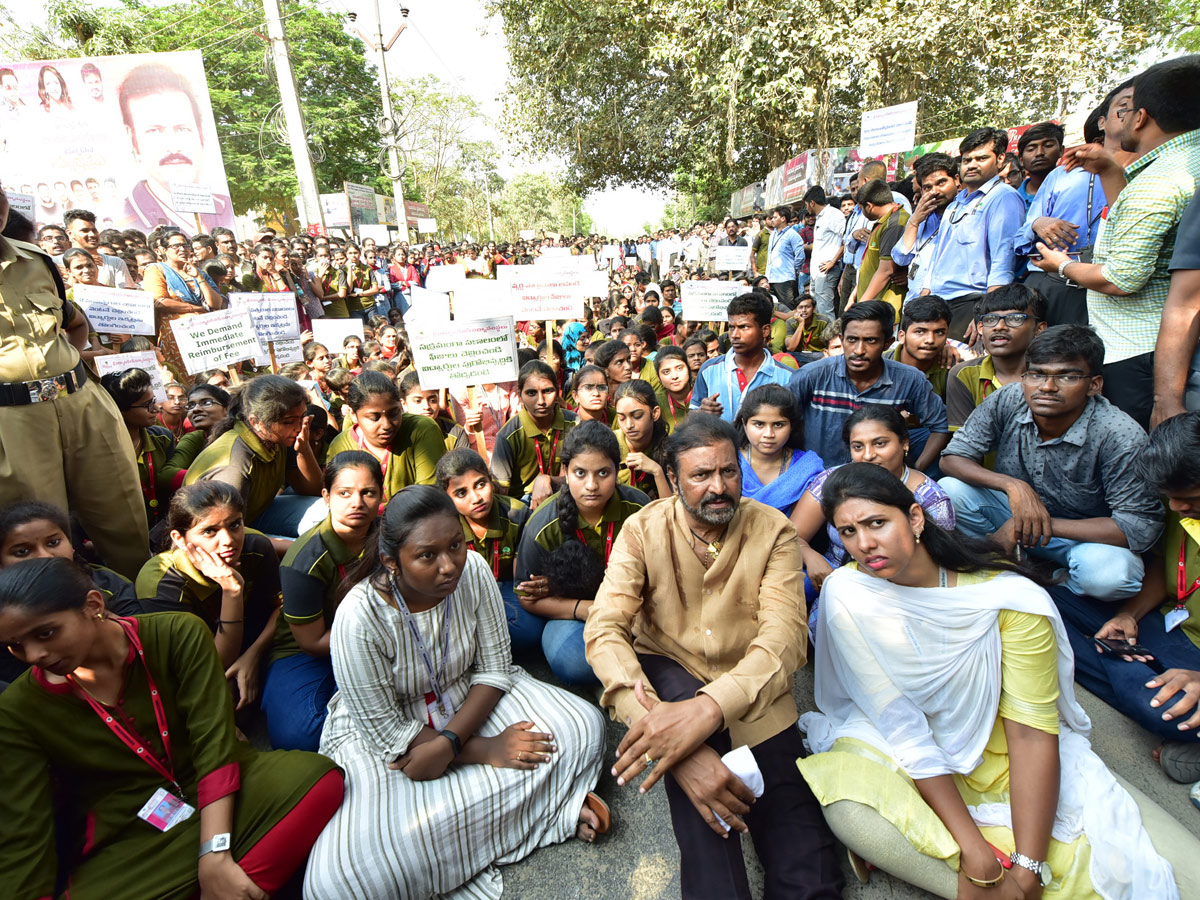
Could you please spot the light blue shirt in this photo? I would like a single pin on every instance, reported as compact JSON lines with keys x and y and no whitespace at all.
{"x":922,"y":252}
{"x":719,"y":376}
{"x":857,"y":221}
{"x":785,"y":255}
{"x":1064,"y":195}
{"x":973,"y":250}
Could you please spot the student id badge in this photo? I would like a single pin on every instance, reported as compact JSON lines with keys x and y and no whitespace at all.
{"x":1175,"y":617}
{"x":164,"y":810}
{"x":439,"y":710}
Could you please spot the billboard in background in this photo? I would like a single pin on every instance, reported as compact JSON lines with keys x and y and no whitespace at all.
{"x":414,"y":211}
{"x":111,"y":134}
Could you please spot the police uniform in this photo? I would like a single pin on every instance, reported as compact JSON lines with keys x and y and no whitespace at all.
{"x":62,"y":439}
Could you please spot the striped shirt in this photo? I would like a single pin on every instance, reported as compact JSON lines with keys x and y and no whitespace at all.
{"x":828,"y":397}
{"x":1135,"y":245}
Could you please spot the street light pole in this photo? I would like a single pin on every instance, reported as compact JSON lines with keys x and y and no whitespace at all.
{"x":395,"y":166}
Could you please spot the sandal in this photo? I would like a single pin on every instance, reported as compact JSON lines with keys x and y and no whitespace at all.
{"x":593,"y":802}
{"x":862,"y":868}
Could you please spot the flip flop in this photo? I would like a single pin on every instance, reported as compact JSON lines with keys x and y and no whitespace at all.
{"x":593,"y":802}
{"x":861,"y":868}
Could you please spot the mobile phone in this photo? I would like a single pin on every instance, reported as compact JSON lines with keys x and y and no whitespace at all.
{"x":1123,"y":649}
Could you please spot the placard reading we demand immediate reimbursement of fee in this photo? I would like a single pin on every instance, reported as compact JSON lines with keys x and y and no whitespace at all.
{"x":215,"y":339}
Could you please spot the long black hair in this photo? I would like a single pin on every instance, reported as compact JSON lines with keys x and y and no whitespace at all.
{"x":643,"y":393}
{"x":951,"y":550}
{"x":45,"y":585}
{"x":584,"y":437}
{"x":267,"y":397}
{"x":781,"y":398}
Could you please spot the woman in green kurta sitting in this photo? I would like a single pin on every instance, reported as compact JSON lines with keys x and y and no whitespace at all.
{"x":949,"y":747}
{"x":119,"y":733}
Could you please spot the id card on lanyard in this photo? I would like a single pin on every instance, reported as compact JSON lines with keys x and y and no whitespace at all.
{"x":495,"y":555}
{"x":439,"y":709}
{"x":537,"y":446}
{"x":1183,"y":590}
{"x":608,"y":539}
{"x":165,"y":809}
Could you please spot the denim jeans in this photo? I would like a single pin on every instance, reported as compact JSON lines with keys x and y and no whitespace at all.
{"x":1120,"y":684}
{"x":295,"y":698}
{"x":283,"y":517}
{"x":560,"y":640}
{"x":1103,"y":571}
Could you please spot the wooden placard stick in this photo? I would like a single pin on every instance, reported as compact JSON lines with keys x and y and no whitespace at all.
{"x":549,"y":342}
{"x":274,"y":362}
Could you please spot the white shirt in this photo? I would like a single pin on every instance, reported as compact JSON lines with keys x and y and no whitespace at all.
{"x":112,"y":271}
{"x":827,"y":235}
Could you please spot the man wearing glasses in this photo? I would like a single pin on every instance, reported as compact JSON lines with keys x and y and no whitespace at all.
{"x":1158,"y":121}
{"x":1064,"y":486}
{"x":973,"y":252}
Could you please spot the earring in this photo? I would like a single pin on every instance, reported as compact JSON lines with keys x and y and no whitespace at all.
{"x":100,"y":616}
{"x":917,"y":535}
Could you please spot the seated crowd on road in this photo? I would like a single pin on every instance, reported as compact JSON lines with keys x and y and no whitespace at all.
{"x":269,"y":636}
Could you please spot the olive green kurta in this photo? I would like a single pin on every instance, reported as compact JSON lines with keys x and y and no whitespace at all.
{"x":55,"y":752}
{"x":416,"y":449}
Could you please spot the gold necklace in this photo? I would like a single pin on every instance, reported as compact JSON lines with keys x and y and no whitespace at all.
{"x":712,"y":549}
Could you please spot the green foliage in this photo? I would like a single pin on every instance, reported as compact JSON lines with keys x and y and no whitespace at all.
{"x":540,"y":202}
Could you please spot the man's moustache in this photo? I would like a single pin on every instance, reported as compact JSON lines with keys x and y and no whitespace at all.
{"x":175,"y":159}
{"x":710,"y":499}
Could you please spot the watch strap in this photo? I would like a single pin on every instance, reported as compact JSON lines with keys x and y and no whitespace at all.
{"x":218,"y":843}
{"x":1033,"y":865}
{"x":454,"y":739}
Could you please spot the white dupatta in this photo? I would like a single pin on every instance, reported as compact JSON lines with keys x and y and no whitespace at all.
{"x":915,"y":673}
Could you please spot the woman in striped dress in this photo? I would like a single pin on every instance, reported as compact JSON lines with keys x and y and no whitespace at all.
{"x":456,"y":760}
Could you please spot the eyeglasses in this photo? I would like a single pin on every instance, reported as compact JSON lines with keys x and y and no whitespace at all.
{"x":148,"y":406}
{"x":594,"y":388}
{"x":1122,"y":113}
{"x":1067,"y":381}
{"x":206,"y":403}
{"x":178,"y":245}
{"x":1012,"y":320}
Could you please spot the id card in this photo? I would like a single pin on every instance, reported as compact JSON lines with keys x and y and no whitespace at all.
{"x":1175,"y":617}
{"x":439,"y":713}
{"x":164,"y":810}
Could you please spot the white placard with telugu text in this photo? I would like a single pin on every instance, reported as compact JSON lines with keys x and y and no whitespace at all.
{"x":116,"y":310}
{"x":732,"y":259}
{"x":146,"y":360}
{"x":192,"y":198}
{"x":708,"y":301}
{"x":465,"y":352}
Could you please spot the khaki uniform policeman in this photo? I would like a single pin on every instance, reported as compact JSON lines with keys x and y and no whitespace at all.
{"x":62,"y":439}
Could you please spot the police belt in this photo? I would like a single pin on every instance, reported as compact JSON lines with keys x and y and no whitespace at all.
{"x":23,"y":393}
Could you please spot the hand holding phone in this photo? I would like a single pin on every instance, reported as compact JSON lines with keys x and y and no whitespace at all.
{"x":1128,"y":652}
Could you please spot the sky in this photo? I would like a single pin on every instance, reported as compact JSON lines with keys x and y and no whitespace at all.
{"x":457,"y":42}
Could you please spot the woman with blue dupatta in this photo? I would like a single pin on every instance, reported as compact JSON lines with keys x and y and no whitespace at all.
{"x":776,"y":469}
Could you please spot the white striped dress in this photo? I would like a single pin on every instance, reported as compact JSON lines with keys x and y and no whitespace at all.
{"x":398,"y":839}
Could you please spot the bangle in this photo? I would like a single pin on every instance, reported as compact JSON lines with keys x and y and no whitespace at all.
{"x":1062,"y":266}
{"x":575,"y":611}
{"x":979,"y":882}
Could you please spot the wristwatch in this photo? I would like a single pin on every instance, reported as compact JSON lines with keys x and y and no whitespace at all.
{"x":219,"y":843}
{"x":1040,"y":869}
{"x":454,"y":739}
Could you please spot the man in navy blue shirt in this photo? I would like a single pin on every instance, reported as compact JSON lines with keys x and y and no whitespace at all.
{"x":829,"y":390}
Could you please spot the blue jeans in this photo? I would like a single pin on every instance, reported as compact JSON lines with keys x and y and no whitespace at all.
{"x":363,"y":314}
{"x":1103,"y":571}
{"x":282,"y":518}
{"x":295,"y":698}
{"x":560,"y":640}
{"x":1120,"y":684}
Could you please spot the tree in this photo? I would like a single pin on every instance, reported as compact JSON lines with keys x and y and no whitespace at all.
{"x":337,"y":86}
{"x":542,"y":202}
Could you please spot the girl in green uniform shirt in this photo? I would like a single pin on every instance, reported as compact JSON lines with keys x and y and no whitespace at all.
{"x":259,"y":449}
{"x":641,"y":433}
{"x":491,"y":521}
{"x":526,"y":459}
{"x":207,"y":406}
{"x":154,"y":445}
{"x":226,"y":575}
{"x":320,"y":363}
{"x":299,"y":681}
{"x":406,"y":446}
{"x":589,"y":389}
{"x":121,"y":760}
{"x":565,"y":547}
{"x":676,"y":380}
{"x":420,"y":402}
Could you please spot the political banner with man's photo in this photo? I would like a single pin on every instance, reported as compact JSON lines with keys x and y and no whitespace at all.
{"x":117,"y":135}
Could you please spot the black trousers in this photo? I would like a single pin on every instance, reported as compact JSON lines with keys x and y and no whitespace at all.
{"x":786,"y":292}
{"x":962,"y":311}
{"x":847,"y":284}
{"x":1065,"y":305}
{"x":1129,"y":386}
{"x":793,"y":842}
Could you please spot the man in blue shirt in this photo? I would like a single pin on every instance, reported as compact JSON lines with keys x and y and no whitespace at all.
{"x":973,"y":252}
{"x":1039,"y":148}
{"x":1065,"y":215}
{"x":723,"y":381}
{"x":830,"y":389}
{"x":785,"y":254}
{"x":936,"y":174}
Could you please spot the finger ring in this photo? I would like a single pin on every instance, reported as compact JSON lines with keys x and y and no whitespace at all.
{"x":520,"y":756}
{"x":649,"y":760}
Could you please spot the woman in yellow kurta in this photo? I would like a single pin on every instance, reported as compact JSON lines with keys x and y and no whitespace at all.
{"x":947,"y":717}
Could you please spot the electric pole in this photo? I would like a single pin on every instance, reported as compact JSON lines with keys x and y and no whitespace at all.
{"x":387,"y":129}
{"x":310,"y":199}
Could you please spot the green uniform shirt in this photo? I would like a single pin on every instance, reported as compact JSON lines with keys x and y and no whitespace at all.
{"x":543,"y":532}
{"x":170,"y":581}
{"x":158,"y":445}
{"x":239,"y":458}
{"x":499,"y":545}
{"x":936,"y":375}
{"x":649,"y":373}
{"x":454,"y":435}
{"x":515,"y":454}
{"x":815,"y":337}
{"x":359,"y":280}
{"x":311,"y":573}
{"x":883,"y":238}
{"x":416,"y":449}
{"x":642,"y":481}
{"x":1177,"y":535}
{"x":968,"y":385}
{"x":778,"y":333}
{"x":187,"y":448}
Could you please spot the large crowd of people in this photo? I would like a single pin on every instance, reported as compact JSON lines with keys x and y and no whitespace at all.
{"x":945,"y":443}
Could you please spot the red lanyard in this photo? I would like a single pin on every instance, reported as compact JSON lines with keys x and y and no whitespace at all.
{"x":608,"y":539}
{"x":150,"y":490}
{"x":495,"y":555}
{"x":671,"y":401}
{"x":362,"y":445}
{"x":128,"y":736}
{"x":1181,"y":581}
{"x":537,"y":446}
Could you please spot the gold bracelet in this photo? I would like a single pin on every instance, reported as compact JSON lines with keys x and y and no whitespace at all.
{"x":979,"y":882}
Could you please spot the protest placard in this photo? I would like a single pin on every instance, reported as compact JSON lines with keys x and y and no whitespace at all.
{"x":527,"y":234}
{"x":582,"y":263}
{"x":465,"y":352}
{"x":116,"y":310}
{"x":427,"y":306}
{"x":332,"y":332}
{"x":732,"y":259}
{"x":192,"y":198}
{"x":888,"y":130}
{"x":215,"y":339}
{"x":426,"y":226}
{"x":445,"y":278}
{"x":288,"y":350}
{"x":22,"y":203}
{"x":146,"y":360}
{"x":481,"y":298}
{"x":555,"y":251}
{"x":274,"y":315}
{"x":706,"y":301}
{"x":538,"y":293}
{"x":610,"y":251}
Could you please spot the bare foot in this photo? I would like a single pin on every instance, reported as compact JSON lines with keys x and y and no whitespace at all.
{"x":1156,"y":753}
{"x":589,"y":822}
